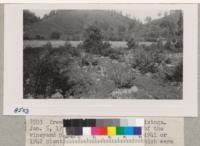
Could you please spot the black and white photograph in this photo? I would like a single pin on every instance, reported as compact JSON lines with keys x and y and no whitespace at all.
{"x":101,"y":59}
{"x":102,"y":54}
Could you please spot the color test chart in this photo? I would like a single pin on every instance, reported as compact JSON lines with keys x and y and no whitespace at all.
{"x":103,"y":130}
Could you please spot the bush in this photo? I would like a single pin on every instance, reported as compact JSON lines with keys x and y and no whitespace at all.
{"x":55,"y":35}
{"x":73,"y":51}
{"x":67,"y":45}
{"x":86,"y":60}
{"x":177,"y":74}
{"x":48,"y":45}
{"x":160,"y":45}
{"x":44,"y":70}
{"x":112,"y":53}
{"x":146,"y":60}
{"x":179,"y":45}
{"x":93,"y":42}
{"x":39,"y":37}
{"x":26,"y":36}
{"x":168,"y":60}
{"x":150,"y":39}
{"x":69,"y":49}
{"x":168,"y":46}
{"x":80,"y":82}
{"x":89,"y":59}
{"x":121,"y":75}
{"x":45,"y":78}
{"x":132,"y":44}
{"x":81,"y":86}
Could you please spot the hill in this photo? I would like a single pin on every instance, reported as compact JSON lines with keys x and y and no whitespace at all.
{"x":70,"y":25}
{"x":167,"y":27}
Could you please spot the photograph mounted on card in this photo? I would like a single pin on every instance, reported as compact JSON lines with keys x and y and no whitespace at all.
{"x":101,"y":59}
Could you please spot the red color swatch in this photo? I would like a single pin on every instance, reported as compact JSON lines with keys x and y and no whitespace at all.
{"x":102,"y":130}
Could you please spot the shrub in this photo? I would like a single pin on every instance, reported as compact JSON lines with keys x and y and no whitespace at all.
{"x":80,"y":46}
{"x":48,"y":45}
{"x":67,"y":45}
{"x":179,"y":45}
{"x":80,"y":82}
{"x":146,"y":60}
{"x":81,"y":86}
{"x":55,"y":35}
{"x":95,"y":62}
{"x":45,"y":78}
{"x":150,"y":39}
{"x":93,"y":42}
{"x":168,"y":60}
{"x":132,"y":44}
{"x":26,"y":36}
{"x":121,"y":75}
{"x":74,"y":51}
{"x":112,"y":53}
{"x":177,"y":73}
{"x":69,"y":49}
{"x":168,"y":46}
{"x":39,"y":37}
{"x":42,"y":70}
{"x":89,"y":59}
{"x":86,"y":60}
{"x":160,"y":45}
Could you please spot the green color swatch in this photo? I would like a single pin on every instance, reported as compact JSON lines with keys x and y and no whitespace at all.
{"x":120,"y":130}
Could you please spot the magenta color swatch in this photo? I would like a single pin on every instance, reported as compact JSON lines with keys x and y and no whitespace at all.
{"x":95,"y":131}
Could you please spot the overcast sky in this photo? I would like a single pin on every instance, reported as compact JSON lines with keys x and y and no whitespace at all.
{"x":138,"y":14}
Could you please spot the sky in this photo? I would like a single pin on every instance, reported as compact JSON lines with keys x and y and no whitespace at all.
{"x":138,"y":14}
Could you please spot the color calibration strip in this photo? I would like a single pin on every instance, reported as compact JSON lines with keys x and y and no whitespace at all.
{"x":103,"y":127}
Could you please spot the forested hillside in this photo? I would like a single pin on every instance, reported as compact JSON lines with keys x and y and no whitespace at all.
{"x":70,"y":25}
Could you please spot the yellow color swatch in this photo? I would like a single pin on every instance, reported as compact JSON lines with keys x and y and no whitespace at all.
{"x":111,"y":131}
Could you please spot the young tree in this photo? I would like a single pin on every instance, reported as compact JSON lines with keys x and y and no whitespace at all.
{"x":55,"y":35}
{"x":93,"y":40}
{"x":132,"y":44}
